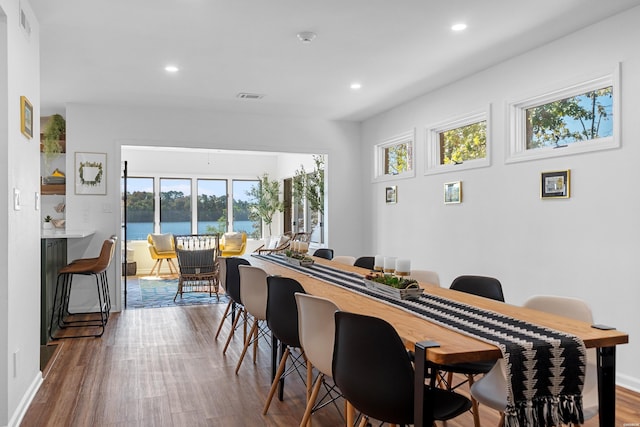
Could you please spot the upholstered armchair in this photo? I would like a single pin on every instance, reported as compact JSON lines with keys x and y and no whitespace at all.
{"x":161,"y":247}
{"x":233,"y":244}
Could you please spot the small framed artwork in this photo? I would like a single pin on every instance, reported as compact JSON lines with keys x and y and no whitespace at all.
{"x":391,"y":194}
{"x":26,"y":117}
{"x":90,"y":170}
{"x":555,"y":185}
{"x":453,"y":192}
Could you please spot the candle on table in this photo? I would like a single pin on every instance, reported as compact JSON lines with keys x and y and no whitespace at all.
{"x":389,"y":264}
{"x":378,"y":264}
{"x":403,"y":267}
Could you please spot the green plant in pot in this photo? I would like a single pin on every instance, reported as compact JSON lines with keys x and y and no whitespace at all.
{"x":54,"y":131}
{"x":47,"y":225}
{"x":266,"y":200}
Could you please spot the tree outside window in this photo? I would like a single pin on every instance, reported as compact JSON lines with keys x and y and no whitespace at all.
{"x":398,"y":159}
{"x":583,"y":117}
{"x":463,"y":143}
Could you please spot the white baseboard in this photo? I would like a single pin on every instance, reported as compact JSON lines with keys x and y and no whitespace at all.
{"x":629,"y":382}
{"x":26,"y":400}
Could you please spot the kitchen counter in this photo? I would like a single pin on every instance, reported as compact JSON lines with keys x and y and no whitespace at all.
{"x":62,"y":233}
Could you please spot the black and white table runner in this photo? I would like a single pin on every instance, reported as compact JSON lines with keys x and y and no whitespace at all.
{"x":545,"y":368}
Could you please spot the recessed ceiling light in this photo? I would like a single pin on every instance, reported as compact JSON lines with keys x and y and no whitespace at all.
{"x":459,"y":27}
{"x":306,"y":37}
{"x":355,"y":86}
{"x":171,"y":69}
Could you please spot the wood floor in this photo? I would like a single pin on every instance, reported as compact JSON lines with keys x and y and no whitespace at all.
{"x":162,"y":367}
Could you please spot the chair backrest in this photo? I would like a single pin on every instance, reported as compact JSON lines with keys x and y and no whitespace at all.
{"x":106,"y":255}
{"x":325,"y":253}
{"x":426,"y":277}
{"x":577,"y":309}
{"x":232,"y":281}
{"x":372,"y":368}
{"x":222,"y":272}
{"x":282,"y":310}
{"x":316,"y":326}
{"x":200,"y":261}
{"x":483,"y":286}
{"x":344,"y":259}
{"x":253,"y":290}
{"x":365,"y":262}
{"x":160,"y":243}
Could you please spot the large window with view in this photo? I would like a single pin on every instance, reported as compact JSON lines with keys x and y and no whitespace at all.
{"x":175,"y":206}
{"x":242,"y":201}
{"x":576,"y":119}
{"x":140,"y":208}
{"x":459,"y":143}
{"x":394,"y":158}
{"x":212,"y":206}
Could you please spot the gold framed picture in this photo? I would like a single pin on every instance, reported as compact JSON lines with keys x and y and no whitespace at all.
{"x":26,"y":117}
{"x":391,"y":194}
{"x":452,"y":192}
{"x":555,"y":185}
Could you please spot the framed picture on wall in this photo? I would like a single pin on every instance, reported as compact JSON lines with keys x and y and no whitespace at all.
{"x":90,"y":170}
{"x":453,"y":192}
{"x":26,"y":117}
{"x":391,"y":194}
{"x":555,"y":185}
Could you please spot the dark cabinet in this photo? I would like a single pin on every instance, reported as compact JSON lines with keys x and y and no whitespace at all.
{"x":53,"y":257}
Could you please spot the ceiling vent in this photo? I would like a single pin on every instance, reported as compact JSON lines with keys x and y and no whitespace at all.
{"x":243,"y":95}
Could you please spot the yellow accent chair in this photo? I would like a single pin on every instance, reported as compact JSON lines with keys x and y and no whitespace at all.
{"x":233,"y":244}
{"x":162,"y":247}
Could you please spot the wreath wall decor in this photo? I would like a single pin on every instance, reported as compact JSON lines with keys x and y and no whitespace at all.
{"x":90,"y":173}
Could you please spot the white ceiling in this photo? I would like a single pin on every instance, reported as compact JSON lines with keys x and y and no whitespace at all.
{"x":114,"y":52}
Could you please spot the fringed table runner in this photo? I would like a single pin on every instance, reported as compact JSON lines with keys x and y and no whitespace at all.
{"x":545,"y":368}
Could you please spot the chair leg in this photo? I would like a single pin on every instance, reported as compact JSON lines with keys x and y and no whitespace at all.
{"x":363,"y":421}
{"x":247,"y":343}
{"x":172,"y":266}
{"x":156,"y":265}
{"x":276,"y":380}
{"x":312,"y":399}
{"x":224,"y":316}
{"x":233,"y":329}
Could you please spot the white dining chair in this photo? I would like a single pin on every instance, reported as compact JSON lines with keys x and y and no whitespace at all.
{"x":491,"y":389}
{"x":426,"y":277}
{"x":344,"y":259}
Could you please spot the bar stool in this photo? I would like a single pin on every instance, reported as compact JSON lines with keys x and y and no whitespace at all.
{"x":96,"y":267}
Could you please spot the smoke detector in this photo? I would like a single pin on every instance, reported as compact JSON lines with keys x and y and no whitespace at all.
{"x":306,"y":37}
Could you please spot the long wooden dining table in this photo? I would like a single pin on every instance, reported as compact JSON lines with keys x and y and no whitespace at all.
{"x":442,"y":346}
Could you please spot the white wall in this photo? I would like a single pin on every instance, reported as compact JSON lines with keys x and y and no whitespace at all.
{"x":105,"y":129}
{"x":586,"y":246}
{"x":20,"y":247}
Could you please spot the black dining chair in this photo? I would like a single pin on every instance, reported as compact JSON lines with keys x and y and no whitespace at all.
{"x":282,"y":320}
{"x":365,"y":262}
{"x":234,"y":309}
{"x":487,"y":287}
{"x":325,"y":253}
{"x":375,"y":374}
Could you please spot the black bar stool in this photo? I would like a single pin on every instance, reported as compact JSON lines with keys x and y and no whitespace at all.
{"x":96,"y":267}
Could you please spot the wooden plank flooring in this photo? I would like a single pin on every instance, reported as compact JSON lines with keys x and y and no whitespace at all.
{"x":162,"y":367}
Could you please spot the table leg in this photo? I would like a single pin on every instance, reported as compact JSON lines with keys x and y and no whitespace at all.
{"x":281,"y":383}
{"x":607,"y":386}
{"x":274,"y":356}
{"x":420,"y":368}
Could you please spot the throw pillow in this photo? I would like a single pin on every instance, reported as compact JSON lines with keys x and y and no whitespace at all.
{"x":163,"y":242}
{"x":232,"y":241}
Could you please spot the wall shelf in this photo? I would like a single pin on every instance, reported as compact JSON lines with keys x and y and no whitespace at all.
{"x":52,"y":189}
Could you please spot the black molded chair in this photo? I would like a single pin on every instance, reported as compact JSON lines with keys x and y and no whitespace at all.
{"x":235,"y":309}
{"x":374,"y":373}
{"x":282,"y":319}
{"x":365,"y":262}
{"x":487,"y":287}
{"x":325,"y":253}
